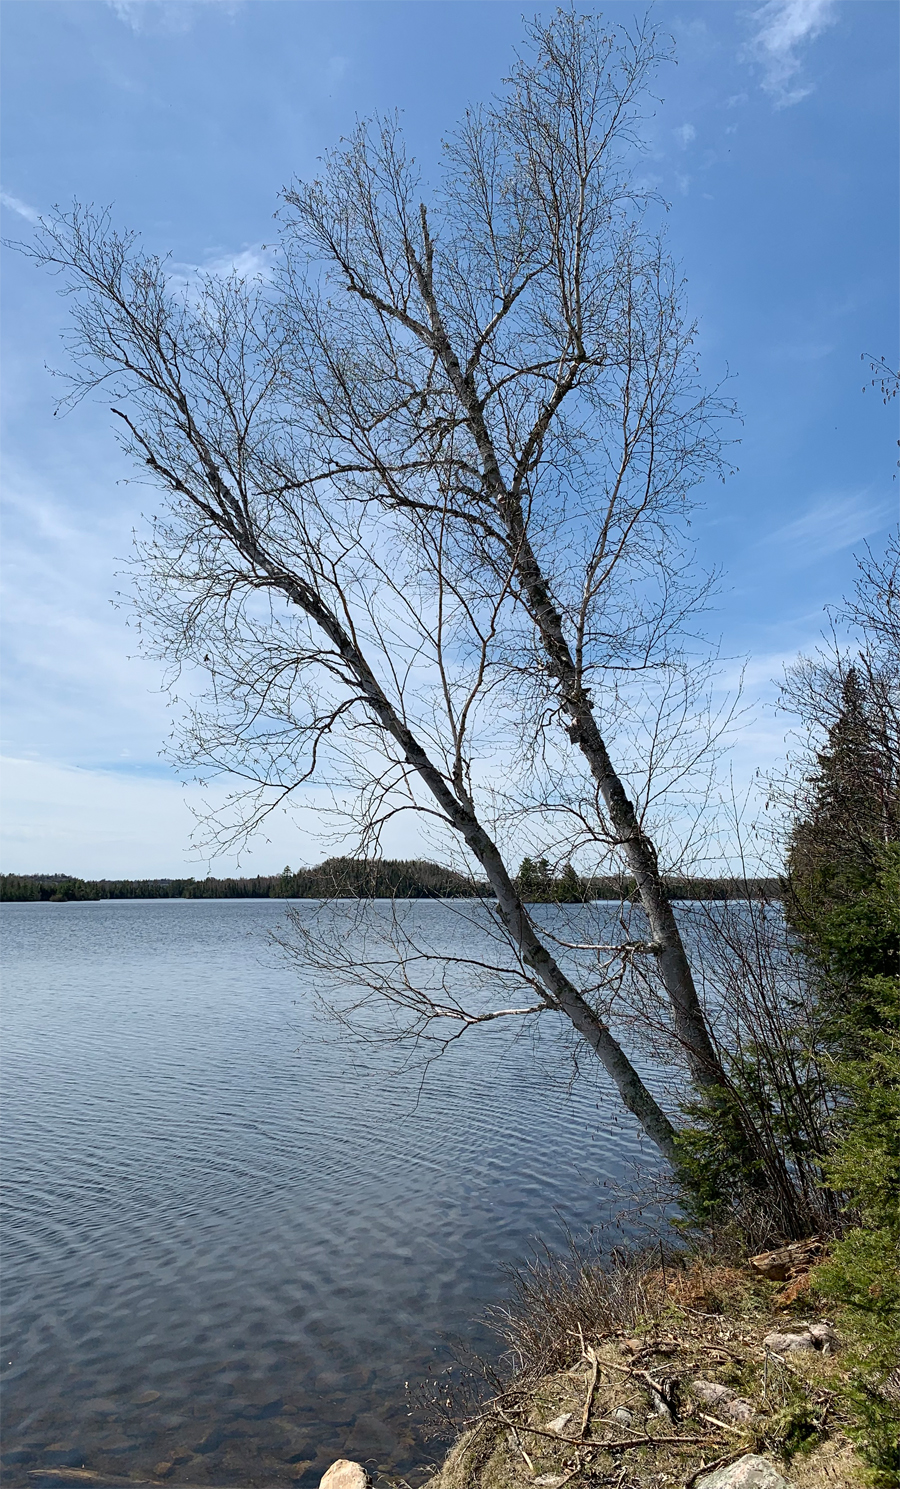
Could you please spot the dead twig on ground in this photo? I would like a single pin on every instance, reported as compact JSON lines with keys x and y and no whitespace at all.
{"x":717,"y":1423}
{"x":591,"y":1355}
{"x":608,"y":1444}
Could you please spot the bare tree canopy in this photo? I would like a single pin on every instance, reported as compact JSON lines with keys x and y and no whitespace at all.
{"x":425,"y":495}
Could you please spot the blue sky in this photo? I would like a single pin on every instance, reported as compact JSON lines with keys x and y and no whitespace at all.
{"x":775,"y":144}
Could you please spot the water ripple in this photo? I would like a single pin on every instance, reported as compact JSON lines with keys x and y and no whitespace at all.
{"x":228,"y":1240}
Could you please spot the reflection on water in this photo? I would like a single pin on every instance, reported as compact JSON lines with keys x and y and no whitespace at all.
{"x":230,"y":1240}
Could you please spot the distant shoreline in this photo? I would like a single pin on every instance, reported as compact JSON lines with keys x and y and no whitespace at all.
{"x":358,"y":879}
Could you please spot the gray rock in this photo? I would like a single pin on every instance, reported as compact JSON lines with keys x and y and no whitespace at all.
{"x":623,"y":1415}
{"x":660,"y":1406}
{"x":712,"y":1392}
{"x":739,"y":1409}
{"x":825,"y":1338}
{"x":749,"y":1472}
{"x":559,"y":1424}
{"x":344,"y":1474}
{"x":724,"y":1400}
{"x":781,"y":1344}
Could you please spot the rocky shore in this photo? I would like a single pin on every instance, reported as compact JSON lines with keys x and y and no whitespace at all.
{"x":724,"y":1377}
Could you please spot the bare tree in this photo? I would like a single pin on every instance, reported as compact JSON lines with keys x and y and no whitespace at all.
{"x":425,"y":496}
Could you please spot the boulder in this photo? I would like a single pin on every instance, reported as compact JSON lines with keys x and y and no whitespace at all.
{"x":711,"y":1392}
{"x":723,"y":1400}
{"x":749,"y":1472}
{"x":781,"y":1344}
{"x":344,"y":1474}
{"x":804,"y":1336}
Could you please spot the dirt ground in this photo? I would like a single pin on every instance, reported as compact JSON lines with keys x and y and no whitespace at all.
{"x":691,"y":1386}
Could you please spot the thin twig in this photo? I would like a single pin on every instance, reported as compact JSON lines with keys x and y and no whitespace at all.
{"x":592,"y":1442}
{"x":589,"y":1401}
{"x":521,"y":1449}
{"x":716,"y":1423}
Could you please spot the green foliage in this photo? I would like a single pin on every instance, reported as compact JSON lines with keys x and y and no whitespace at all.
{"x":855,"y":943}
{"x":716,"y":1163}
{"x":844,"y":902}
{"x":750,"y":1153}
{"x":852,"y":808}
{"x":347,"y":878}
{"x":862,"y":1275}
{"x":794,"y":1429}
{"x":537,"y":884}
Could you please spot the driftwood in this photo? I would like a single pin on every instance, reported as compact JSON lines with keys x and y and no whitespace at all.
{"x":787,"y":1262}
{"x":82,"y":1476}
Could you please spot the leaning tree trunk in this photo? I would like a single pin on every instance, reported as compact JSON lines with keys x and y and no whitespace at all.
{"x":231,"y":516}
{"x":559,"y":992}
{"x":690,"y":1023}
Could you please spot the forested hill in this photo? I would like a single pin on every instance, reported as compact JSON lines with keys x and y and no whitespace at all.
{"x":337,"y":878}
{"x":353,"y":878}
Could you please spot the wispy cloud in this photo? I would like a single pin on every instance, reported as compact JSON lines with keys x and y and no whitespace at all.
{"x":783,"y":27}
{"x":170,"y":17}
{"x":23,"y":209}
{"x":685,"y":133}
{"x":248,"y":263}
{"x":831,"y":524}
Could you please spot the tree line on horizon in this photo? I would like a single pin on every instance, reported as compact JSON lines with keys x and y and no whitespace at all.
{"x":387,"y":878}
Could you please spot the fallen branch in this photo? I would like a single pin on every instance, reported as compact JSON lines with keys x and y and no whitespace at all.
{"x":590,"y":1354}
{"x":516,"y":1440}
{"x":724,"y":1425}
{"x":593,"y":1442}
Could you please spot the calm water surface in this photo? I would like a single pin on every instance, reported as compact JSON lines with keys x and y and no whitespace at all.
{"x":230,"y":1238}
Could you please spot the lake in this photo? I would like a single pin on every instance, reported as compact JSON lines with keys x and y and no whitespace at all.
{"x":231,"y":1237}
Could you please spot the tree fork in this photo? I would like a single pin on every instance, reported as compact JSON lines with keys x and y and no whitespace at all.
{"x":690,"y":1023}
{"x":560,"y":992}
